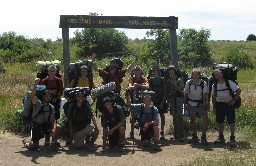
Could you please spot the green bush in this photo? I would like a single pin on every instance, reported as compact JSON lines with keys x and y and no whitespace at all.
{"x":239,"y":58}
{"x":2,"y":70}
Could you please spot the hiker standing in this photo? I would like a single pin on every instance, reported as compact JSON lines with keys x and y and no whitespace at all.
{"x":157,"y":84}
{"x":174,"y":94}
{"x":137,"y":84}
{"x":113,"y":75}
{"x":223,"y":105}
{"x":82,"y":80}
{"x":195,"y":104}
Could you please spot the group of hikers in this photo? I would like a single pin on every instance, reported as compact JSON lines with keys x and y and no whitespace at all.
{"x":148,"y":99}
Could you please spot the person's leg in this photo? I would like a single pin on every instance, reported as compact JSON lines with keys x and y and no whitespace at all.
{"x":231,"y":118}
{"x":156,"y":138}
{"x":220,"y":117}
{"x":204,"y":129}
{"x":132,"y":121}
{"x":79,"y":138}
{"x":162,"y":117}
{"x":121,"y":138}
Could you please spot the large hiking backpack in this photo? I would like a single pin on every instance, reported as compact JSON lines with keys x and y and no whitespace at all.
{"x":27,"y":108}
{"x":229,"y":72}
{"x":183,"y":75}
{"x":163,"y":71}
{"x":74,"y":71}
{"x":42,"y":67}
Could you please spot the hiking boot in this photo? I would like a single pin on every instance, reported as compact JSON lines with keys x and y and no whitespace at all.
{"x":55,"y":145}
{"x":157,"y":147}
{"x":120,"y":147}
{"x":92,"y":147}
{"x":162,"y":135}
{"x":194,"y":139}
{"x":232,"y":141}
{"x":220,"y":140}
{"x":131,"y":136}
{"x":204,"y":140}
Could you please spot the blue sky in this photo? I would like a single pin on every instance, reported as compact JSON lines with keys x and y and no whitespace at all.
{"x":226,"y":19}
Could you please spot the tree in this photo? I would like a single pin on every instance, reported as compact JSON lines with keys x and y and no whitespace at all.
{"x":100,"y":40}
{"x":251,"y":37}
{"x":158,"y":48}
{"x":193,"y":49}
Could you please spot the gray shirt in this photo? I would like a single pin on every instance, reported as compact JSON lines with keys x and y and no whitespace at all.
{"x":40,"y":115}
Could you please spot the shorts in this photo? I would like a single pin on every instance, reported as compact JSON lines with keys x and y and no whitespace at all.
{"x":148,"y":134}
{"x":80,"y":136}
{"x":195,"y":111}
{"x":176,"y":106}
{"x":224,"y":110}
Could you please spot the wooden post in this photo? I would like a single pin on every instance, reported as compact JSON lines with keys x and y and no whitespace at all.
{"x":66,"y":54}
{"x":173,"y":47}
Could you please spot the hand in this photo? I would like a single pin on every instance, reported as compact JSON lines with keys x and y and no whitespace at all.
{"x":37,"y":80}
{"x":110,"y":132}
{"x":231,"y":102}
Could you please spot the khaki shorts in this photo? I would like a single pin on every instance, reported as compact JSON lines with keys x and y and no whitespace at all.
{"x":79,"y":136}
{"x":195,"y":111}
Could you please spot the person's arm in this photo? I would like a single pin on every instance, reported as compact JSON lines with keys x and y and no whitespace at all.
{"x":179,"y":86}
{"x":33,"y":93}
{"x":61,"y":88}
{"x":214,"y":104}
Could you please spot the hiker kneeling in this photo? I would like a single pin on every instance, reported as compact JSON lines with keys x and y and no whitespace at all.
{"x":43,"y":119}
{"x":80,"y":115}
{"x":147,"y":119}
{"x":113,"y":123}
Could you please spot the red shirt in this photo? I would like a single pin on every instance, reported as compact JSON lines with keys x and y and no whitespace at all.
{"x":117,"y":78}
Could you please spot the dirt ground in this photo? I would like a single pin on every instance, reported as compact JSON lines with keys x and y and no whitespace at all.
{"x":173,"y":152}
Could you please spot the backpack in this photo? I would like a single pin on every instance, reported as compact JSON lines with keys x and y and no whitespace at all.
{"x":163,"y":71}
{"x":27,"y":108}
{"x":42,"y":66}
{"x":201,"y":85}
{"x":183,"y":75}
{"x":74,"y":71}
{"x":229,"y":72}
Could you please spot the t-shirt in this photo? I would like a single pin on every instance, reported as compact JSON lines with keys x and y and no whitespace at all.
{"x":80,"y":116}
{"x":158,"y":86}
{"x":113,"y":118}
{"x":223,"y":93}
{"x":195,"y":91}
{"x":107,"y":77}
{"x":42,"y":117}
{"x":170,"y":85}
{"x":81,"y":83}
{"x":53,"y":84}
{"x":146,"y":114}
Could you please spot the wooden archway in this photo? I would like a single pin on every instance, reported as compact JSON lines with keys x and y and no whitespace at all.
{"x":131,"y":22}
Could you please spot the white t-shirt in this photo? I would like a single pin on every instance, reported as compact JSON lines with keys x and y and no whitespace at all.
{"x":195,"y":91}
{"x":223,"y":93}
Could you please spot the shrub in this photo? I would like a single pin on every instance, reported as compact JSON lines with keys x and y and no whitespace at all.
{"x":239,"y":58}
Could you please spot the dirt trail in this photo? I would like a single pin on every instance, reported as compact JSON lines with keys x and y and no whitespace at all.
{"x":173,"y":153}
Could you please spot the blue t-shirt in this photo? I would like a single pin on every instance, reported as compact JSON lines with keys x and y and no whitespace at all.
{"x":148,"y":115}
